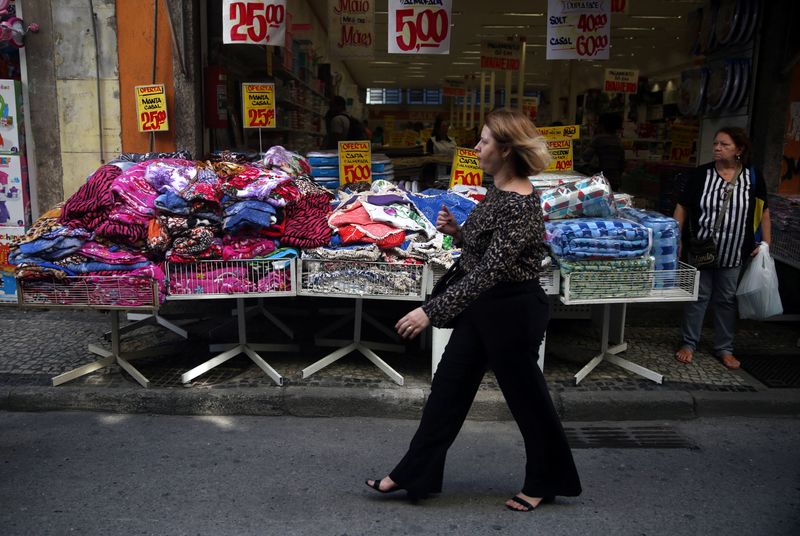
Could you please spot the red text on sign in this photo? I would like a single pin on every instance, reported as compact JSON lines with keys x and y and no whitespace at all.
{"x":153,"y":120}
{"x":253,"y":19}
{"x":428,"y":29}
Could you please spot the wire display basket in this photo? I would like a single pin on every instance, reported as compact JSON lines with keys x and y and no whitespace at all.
{"x":549,"y":279}
{"x":255,"y":278}
{"x":588,"y":287}
{"x":361,"y":279}
{"x":126,"y":292}
{"x":785,"y":247}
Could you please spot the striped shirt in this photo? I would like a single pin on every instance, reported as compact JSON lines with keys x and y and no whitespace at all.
{"x":704,"y":196}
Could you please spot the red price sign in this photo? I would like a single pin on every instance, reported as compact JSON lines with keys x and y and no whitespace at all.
{"x":153,"y":120}
{"x":356,"y":173}
{"x":259,"y":117}
{"x":419,"y":29}
{"x":578,"y":30}
{"x":468,"y":178}
{"x":254,"y":22}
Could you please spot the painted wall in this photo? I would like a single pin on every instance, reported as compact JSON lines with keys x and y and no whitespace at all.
{"x":79,"y":114}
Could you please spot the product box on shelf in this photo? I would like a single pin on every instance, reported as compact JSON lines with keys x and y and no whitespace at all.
{"x":8,"y":285}
{"x":12,"y":132}
{"x":14,"y":202}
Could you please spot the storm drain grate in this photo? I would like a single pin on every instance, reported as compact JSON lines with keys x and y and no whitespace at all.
{"x":627,"y":437}
{"x":774,"y":371}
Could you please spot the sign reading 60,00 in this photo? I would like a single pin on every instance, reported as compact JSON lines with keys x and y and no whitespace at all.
{"x":419,"y":26}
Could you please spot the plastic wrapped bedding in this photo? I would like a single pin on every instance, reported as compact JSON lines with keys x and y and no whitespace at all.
{"x":620,"y":278}
{"x":591,"y":238}
{"x":666,"y":235}
{"x":589,"y":197}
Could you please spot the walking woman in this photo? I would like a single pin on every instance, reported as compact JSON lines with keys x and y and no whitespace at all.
{"x":499,"y":314}
{"x":725,"y":199}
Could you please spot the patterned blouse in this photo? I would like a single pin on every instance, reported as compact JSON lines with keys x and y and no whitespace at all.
{"x":502,"y":242}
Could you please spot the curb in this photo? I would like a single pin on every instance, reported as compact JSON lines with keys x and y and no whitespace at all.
{"x":407,"y":403}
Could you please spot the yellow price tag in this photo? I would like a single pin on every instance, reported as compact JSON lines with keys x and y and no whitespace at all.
{"x":465,"y":169}
{"x":151,"y":108}
{"x":355,"y":162}
{"x":258,"y":105}
{"x":561,"y":154}
{"x":569,"y":132}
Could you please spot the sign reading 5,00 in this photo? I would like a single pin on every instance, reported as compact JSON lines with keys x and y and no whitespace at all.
{"x":355,"y":162}
{"x":260,"y":22}
{"x":419,"y":26}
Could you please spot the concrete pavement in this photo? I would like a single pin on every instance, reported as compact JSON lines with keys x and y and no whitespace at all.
{"x":39,"y":344}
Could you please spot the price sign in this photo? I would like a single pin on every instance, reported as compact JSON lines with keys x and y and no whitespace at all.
{"x":258,"y":105}
{"x":561,"y":154}
{"x":501,"y":55}
{"x":570,"y":132}
{"x":465,"y":169}
{"x":419,"y":26}
{"x":683,"y":138}
{"x":621,"y":81}
{"x":355,"y":162}
{"x":151,"y":108}
{"x":259,"y":22}
{"x":578,"y":29}
{"x":351,"y":28}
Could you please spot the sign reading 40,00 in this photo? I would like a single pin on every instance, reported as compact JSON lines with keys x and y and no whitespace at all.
{"x":419,"y":26}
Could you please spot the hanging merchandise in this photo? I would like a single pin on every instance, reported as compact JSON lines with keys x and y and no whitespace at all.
{"x":12,"y":28}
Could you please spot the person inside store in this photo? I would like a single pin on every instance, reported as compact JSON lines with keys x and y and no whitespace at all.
{"x":604,"y":151}
{"x":339,"y":125}
{"x":726,"y":200}
{"x":499,"y":313}
{"x":440,"y":142}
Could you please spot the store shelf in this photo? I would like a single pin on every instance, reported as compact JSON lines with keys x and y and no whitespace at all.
{"x":287,"y":74}
{"x":298,"y":106}
{"x":131,"y":293}
{"x":588,"y":287}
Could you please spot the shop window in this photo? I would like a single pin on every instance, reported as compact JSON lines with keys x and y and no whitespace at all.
{"x":424,"y":96}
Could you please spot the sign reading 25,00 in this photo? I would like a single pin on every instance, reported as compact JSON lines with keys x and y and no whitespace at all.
{"x":419,"y":26}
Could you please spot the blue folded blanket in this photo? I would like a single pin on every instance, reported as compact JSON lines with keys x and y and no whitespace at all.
{"x":666,"y":235}
{"x":430,"y":201}
{"x":590,"y":238}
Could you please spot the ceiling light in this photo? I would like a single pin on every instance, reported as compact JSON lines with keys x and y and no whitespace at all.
{"x":656,"y":17}
{"x":504,"y":26}
{"x":419,"y":63}
{"x":383,"y":62}
{"x":523,"y":14}
{"x":384,"y":81}
{"x":471,"y":52}
{"x":463,"y":63}
{"x":636,"y":29}
{"x":416,"y":76}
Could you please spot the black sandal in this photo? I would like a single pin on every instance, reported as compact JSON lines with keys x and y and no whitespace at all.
{"x":376,"y":485}
{"x":522,"y":502}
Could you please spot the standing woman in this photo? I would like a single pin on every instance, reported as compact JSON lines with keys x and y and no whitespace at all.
{"x":701,"y":204}
{"x":499,"y":313}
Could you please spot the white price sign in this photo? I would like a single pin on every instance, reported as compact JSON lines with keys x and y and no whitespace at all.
{"x":420,"y":26}
{"x":260,"y":22}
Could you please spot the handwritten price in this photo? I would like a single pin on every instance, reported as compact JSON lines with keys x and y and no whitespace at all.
{"x":153,"y":120}
{"x":564,"y":164}
{"x":259,"y":117}
{"x":250,"y":24}
{"x":356,"y":173}
{"x":468,"y":178}
{"x":427,"y":29}
{"x":591,"y":23}
{"x":590,"y":45}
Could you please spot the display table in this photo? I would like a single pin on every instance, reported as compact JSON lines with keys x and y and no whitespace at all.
{"x":258,"y":278}
{"x":613,"y":291}
{"x":360,"y":280}
{"x":113,"y":294}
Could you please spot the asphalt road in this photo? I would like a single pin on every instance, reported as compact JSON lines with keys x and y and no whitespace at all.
{"x":93,"y":473}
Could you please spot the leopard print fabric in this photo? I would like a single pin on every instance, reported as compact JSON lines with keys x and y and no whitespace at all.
{"x":502,"y":242}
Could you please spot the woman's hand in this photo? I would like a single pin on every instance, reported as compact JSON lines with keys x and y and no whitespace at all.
{"x":446,"y":222}
{"x":412,"y":324}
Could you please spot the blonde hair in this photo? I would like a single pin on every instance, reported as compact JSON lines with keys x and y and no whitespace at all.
{"x":513,"y":130}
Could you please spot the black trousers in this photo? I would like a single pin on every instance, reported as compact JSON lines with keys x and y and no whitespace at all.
{"x":501,"y":330}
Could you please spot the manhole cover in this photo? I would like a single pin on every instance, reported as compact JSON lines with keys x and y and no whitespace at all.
{"x":627,"y":437}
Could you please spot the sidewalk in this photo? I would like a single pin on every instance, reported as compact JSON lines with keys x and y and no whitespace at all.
{"x":39,"y":344}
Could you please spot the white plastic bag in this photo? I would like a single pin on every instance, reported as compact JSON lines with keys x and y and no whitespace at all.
{"x":758,"y":294}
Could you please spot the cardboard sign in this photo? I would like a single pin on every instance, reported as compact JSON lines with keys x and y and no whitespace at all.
{"x":578,"y":29}
{"x":351,"y":28}
{"x":258,"y":105}
{"x":683,"y":138}
{"x":569,"y":132}
{"x":420,"y":26}
{"x":151,"y":108}
{"x":355,"y":162}
{"x":530,"y":107}
{"x":561,"y":154}
{"x":501,"y":55}
{"x":465,"y":169}
{"x":454,"y":89}
{"x":254,"y":22}
{"x":621,"y":81}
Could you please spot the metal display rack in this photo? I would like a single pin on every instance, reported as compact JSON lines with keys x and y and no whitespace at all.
{"x":112,"y":293}
{"x":620,"y":288}
{"x":239,"y":279}
{"x":785,"y":248}
{"x":360,"y":280}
